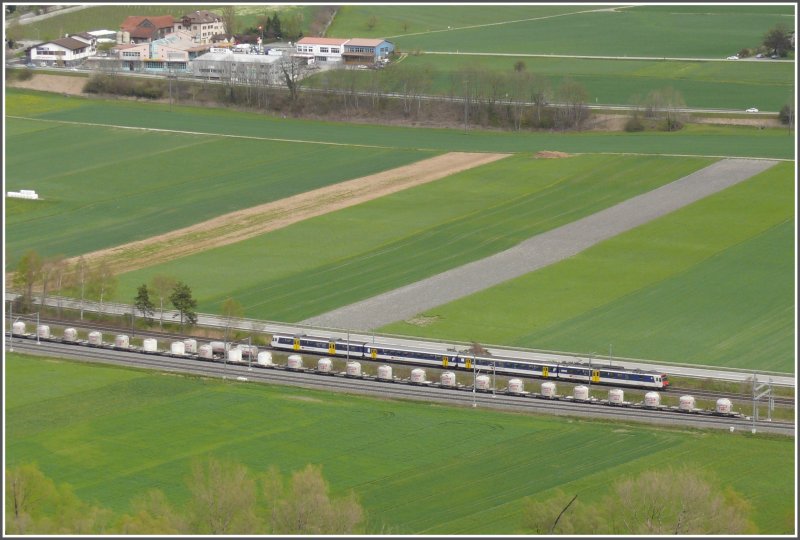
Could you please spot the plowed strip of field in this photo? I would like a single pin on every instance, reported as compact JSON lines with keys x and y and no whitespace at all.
{"x":250,"y":222}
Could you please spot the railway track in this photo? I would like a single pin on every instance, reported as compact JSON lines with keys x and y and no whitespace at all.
{"x":779,"y":401}
{"x":368,"y":385}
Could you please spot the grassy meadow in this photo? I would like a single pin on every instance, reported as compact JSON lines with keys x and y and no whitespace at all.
{"x":710,"y":85}
{"x":655,"y":31}
{"x":693,"y":140}
{"x":333,"y":260}
{"x":133,"y":184}
{"x":417,"y":468}
{"x":109,"y":17}
{"x":709,"y":284}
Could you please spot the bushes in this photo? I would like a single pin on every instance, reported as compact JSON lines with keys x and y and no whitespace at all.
{"x":125,"y":86}
{"x":634,"y":123}
{"x":19,"y":74}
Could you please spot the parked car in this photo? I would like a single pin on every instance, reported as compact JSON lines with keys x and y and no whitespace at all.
{"x":734,"y":57}
{"x":30,"y":65}
{"x":752,"y":109}
{"x":759,"y":55}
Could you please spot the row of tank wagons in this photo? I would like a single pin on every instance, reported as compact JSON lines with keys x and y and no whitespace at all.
{"x":188,"y":347}
{"x":217,"y":350}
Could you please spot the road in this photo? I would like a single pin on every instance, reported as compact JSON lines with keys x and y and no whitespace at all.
{"x":28,"y":18}
{"x":539,"y":251}
{"x":271,"y":327}
{"x":244,"y":374}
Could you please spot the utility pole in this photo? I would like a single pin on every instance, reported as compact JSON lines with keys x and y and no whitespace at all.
{"x":465,"y":105}
{"x":474,"y":376}
{"x":493,"y":380}
{"x":11,"y":324}
{"x":37,"y":328}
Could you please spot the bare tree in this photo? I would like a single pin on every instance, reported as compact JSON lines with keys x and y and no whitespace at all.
{"x":222,"y":498}
{"x":102,"y":282}
{"x":572,"y":110}
{"x":231,"y":309}
{"x":517,"y":97}
{"x":162,"y":285}
{"x":292,"y":70}
{"x":666,"y":104}
{"x":28,"y":274}
{"x":50,"y":267}
{"x":81,"y":273}
{"x":675,"y":502}
{"x":152,"y":514}
{"x":61,"y":277}
{"x":229,"y":19}
{"x":308,"y":509}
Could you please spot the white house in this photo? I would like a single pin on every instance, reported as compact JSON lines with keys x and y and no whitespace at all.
{"x":67,"y":51}
{"x":318,"y":49}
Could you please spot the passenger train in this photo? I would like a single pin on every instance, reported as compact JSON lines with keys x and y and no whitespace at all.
{"x":573,"y":372}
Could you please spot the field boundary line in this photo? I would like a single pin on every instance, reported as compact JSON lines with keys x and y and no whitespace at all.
{"x":500,"y":23}
{"x":202,"y":133}
{"x":357,"y":145}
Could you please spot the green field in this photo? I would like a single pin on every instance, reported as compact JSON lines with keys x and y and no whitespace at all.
{"x":656,"y":31}
{"x":417,"y":468}
{"x":710,"y":85}
{"x":109,"y":17}
{"x":352,"y":254}
{"x":133,"y":184}
{"x":709,"y":284}
{"x":692,"y":140}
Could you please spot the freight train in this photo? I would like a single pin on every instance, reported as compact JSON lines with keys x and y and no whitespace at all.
{"x":218,"y":351}
{"x":572,"y":372}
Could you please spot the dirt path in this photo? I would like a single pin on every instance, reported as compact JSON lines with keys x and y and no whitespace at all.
{"x":244,"y":224}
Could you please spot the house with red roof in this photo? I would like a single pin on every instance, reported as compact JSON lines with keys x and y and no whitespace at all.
{"x":137,"y":29}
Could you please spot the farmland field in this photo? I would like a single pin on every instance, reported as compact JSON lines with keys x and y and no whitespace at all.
{"x":113,"y":433}
{"x":711,"y":85}
{"x":339,"y":258}
{"x":133,"y":184}
{"x":111,"y":16}
{"x":656,"y":31}
{"x":692,"y":140}
{"x":709,"y":284}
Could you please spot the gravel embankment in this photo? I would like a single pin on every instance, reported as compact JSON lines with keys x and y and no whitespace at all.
{"x":539,"y":251}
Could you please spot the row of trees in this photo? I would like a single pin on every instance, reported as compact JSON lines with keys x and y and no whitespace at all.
{"x":54,"y":275}
{"x":223,"y":498}
{"x":229,"y":498}
{"x":96,"y":281}
{"x":657,"y":502}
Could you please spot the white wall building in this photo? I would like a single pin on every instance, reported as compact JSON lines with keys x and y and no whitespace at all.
{"x":322,"y":50}
{"x":68,"y":51}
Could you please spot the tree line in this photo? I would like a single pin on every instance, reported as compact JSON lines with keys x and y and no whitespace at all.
{"x":229,"y":498}
{"x":223,"y":498}
{"x":97,"y":281}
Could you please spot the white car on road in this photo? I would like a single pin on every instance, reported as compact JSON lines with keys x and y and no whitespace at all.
{"x":751,"y":109}
{"x":733,"y":57}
